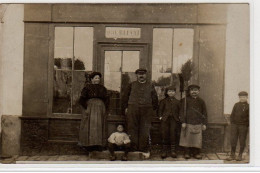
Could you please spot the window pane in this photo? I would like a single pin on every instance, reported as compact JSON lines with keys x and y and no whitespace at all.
{"x":63,"y":48}
{"x":162,"y":59}
{"x":78,"y":84}
{"x":112,"y":79}
{"x":162,"y":49}
{"x":130,"y":61}
{"x":182,"y":48}
{"x":62,"y":92}
{"x":83,"y":48}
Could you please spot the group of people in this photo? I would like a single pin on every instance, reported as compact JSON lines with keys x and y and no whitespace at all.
{"x":140,"y":103}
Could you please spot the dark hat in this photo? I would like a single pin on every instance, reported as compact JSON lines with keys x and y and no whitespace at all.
{"x":140,"y":70}
{"x":93,"y":74}
{"x":193,"y":86}
{"x":243,"y":93}
{"x":171,"y":88}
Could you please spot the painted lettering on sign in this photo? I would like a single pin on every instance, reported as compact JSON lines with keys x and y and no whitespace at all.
{"x":120,"y":32}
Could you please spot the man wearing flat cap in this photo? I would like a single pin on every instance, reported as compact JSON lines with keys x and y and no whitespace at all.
{"x":140,"y":103}
{"x":193,"y":115}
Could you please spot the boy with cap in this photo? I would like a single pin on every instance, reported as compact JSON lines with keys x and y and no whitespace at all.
{"x":140,"y":102}
{"x":168,"y":113}
{"x":193,"y":115}
{"x":239,"y":125}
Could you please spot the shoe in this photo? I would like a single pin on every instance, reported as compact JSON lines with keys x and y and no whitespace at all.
{"x":231,"y":157}
{"x":198,"y":156}
{"x":112,"y":158}
{"x":239,"y":157}
{"x":146,"y":155}
{"x":164,"y":152}
{"x":173,"y":151}
{"x":186,"y":156}
{"x":124,"y":158}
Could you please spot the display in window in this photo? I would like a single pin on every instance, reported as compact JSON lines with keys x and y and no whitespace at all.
{"x":62,"y":91}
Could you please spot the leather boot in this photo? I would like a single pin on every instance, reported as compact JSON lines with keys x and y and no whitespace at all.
{"x":164,"y":151}
{"x":173,"y":151}
{"x":187,"y":153}
{"x":231,"y":157}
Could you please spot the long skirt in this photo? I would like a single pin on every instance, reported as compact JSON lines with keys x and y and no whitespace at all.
{"x":191,"y":136}
{"x":93,"y":122}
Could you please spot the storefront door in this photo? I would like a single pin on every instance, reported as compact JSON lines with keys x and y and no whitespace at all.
{"x":118,"y":65}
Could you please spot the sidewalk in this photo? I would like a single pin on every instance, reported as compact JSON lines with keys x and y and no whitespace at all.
{"x":134,"y":157}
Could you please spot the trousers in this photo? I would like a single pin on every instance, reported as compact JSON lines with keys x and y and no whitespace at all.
{"x":238,"y":132}
{"x":113,"y":147}
{"x":169,"y":131}
{"x":139,"y":120}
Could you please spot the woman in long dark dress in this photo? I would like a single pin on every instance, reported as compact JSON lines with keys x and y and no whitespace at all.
{"x":93,"y":99}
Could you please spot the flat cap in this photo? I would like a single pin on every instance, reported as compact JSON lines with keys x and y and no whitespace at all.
{"x":193,"y":86}
{"x":243,"y":93}
{"x":140,"y":70}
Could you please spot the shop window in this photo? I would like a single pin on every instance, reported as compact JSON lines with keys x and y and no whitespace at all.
{"x":172,"y":48}
{"x":73,"y":56}
{"x":119,"y":71}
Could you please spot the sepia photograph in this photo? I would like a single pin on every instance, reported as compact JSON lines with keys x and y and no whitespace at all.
{"x":124,"y":83}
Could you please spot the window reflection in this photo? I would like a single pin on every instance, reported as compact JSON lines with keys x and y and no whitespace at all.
{"x":62,"y":91}
{"x":83,"y":48}
{"x":182,"y":48}
{"x":171,"y":49}
{"x":119,"y":70}
{"x":72,"y":60}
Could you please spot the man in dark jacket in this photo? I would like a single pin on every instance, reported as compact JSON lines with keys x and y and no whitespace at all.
{"x":193,"y":116}
{"x":140,"y":103}
{"x":239,"y":125}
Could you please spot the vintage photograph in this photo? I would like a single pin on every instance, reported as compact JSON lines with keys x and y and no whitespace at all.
{"x":125,"y":83}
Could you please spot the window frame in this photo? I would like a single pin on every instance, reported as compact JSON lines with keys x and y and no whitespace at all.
{"x":50,"y":114}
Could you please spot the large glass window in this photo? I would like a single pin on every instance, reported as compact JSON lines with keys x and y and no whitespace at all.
{"x":172,"y":48}
{"x":73,"y":57}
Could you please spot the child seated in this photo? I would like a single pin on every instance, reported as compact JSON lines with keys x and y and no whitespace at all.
{"x":119,"y":141}
{"x":239,"y":125}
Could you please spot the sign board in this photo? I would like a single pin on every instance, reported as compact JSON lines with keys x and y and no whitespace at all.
{"x":122,"y":32}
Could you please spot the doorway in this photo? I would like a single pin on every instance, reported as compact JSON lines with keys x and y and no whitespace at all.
{"x":118,"y":65}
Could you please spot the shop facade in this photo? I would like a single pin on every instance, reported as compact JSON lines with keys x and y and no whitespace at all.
{"x":63,"y":43}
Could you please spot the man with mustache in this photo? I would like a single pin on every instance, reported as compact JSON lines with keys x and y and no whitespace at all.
{"x":140,"y":103}
{"x":193,"y":115}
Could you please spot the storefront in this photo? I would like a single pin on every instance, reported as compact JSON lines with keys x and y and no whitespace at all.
{"x":64,"y":42}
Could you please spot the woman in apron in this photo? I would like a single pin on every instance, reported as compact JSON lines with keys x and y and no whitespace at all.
{"x":93,"y":99}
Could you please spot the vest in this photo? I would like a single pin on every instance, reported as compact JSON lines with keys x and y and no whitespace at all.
{"x":141,"y":94}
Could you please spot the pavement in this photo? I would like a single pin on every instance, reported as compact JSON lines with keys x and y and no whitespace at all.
{"x":133,"y":157}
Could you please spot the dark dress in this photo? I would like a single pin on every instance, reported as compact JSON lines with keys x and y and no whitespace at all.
{"x":93,"y":123}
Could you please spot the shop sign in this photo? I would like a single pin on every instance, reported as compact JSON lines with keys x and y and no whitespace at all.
{"x":122,"y":32}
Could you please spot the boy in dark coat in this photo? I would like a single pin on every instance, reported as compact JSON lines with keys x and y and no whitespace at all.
{"x":169,"y":115}
{"x":239,"y":125}
{"x":193,"y":116}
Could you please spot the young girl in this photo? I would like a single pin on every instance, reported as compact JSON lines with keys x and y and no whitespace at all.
{"x":169,"y":115}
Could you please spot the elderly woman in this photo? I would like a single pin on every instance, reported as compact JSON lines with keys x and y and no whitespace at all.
{"x":93,"y":99}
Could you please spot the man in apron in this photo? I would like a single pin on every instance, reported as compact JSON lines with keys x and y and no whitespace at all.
{"x":193,"y":115}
